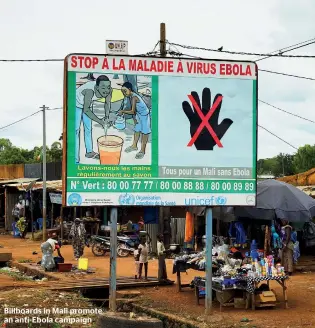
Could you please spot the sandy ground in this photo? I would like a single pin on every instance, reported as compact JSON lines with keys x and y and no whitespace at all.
{"x":301,"y":289}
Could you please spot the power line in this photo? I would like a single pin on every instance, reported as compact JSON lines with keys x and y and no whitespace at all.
{"x":286,"y":74}
{"x":277,"y":137}
{"x":240,"y":52}
{"x":30,"y":60}
{"x":57,"y":108}
{"x":22,"y":119}
{"x":290,"y":48}
{"x":150,"y":53}
{"x":282,"y":110}
{"x":179,"y":54}
{"x":26,"y":117}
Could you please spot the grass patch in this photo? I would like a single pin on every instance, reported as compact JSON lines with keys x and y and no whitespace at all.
{"x":18,"y":276}
{"x":24,"y":261}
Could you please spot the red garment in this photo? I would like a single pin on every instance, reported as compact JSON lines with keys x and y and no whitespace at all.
{"x":189,"y":227}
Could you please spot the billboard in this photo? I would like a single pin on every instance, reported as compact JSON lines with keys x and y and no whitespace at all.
{"x":156,"y":131}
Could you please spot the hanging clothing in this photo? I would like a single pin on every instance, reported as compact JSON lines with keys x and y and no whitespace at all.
{"x":296,"y":252}
{"x":276,"y":241}
{"x":237,"y":231}
{"x":189,"y":229}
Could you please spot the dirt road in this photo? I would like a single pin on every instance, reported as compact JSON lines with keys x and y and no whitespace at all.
{"x":301,"y":289}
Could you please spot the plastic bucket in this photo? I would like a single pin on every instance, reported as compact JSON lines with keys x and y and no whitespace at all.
{"x":109,"y":148}
{"x":83,"y":264}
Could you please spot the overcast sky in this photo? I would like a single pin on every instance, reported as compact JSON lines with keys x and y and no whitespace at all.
{"x":52,"y":29}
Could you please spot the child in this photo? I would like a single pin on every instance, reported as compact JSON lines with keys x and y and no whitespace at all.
{"x":136,"y":255}
{"x":144,"y":252}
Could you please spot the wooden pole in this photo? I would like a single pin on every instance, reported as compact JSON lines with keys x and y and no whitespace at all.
{"x":32,"y":214}
{"x":61,"y":222}
{"x":113,"y":257}
{"x":6,"y":209}
{"x":52,"y":216}
{"x":163,"y":40}
{"x":208,"y":309}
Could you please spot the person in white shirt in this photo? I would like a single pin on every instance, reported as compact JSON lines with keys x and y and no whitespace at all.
{"x":136,"y":255}
{"x":86,"y":94}
{"x":162,"y":275}
{"x":143,"y":260}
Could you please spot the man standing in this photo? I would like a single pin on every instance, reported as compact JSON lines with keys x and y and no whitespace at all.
{"x":86,"y":94}
{"x":162,"y":275}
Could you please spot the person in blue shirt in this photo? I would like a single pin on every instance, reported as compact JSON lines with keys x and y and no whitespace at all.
{"x":142,"y":118}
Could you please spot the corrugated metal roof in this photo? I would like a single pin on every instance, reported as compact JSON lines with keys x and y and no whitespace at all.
{"x":309,"y":190}
{"x":55,"y":185}
{"x":17,"y":181}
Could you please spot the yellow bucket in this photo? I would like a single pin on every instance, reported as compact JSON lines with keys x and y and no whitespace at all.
{"x":83,"y":264}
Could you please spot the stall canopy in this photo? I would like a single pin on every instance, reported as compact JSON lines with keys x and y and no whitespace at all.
{"x":277,"y":199}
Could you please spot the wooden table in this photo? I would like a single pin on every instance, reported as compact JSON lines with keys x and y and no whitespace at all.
{"x":249,"y":293}
{"x":256,"y":281}
{"x":180,"y":269}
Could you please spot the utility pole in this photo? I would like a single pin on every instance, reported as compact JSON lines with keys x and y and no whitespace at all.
{"x":44,"y":172}
{"x":163,"y":40}
{"x":164,"y":213}
{"x":113,"y":257}
{"x":282,"y":164}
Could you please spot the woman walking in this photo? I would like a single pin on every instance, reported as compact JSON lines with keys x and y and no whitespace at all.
{"x":79,"y":238}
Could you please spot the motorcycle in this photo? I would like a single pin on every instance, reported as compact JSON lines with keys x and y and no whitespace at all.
{"x":125,"y":245}
{"x":100,"y":245}
{"x":123,"y":250}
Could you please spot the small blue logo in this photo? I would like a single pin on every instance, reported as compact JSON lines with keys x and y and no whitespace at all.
{"x":75,"y":199}
{"x":126,"y":199}
{"x":221,"y":200}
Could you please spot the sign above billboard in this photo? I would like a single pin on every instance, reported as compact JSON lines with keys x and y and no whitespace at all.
{"x":160,"y":131}
{"x":116,"y":47}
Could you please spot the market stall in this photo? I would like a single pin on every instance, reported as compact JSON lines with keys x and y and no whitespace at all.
{"x":240,"y":278}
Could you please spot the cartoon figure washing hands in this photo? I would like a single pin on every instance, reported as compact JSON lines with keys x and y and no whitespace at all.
{"x":141,"y":117}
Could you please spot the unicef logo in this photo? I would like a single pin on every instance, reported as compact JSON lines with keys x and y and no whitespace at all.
{"x":75,"y":199}
{"x":221,"y":200}
{"x":126,"y":199}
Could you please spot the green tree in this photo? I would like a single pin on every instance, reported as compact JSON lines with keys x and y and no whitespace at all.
{"x":304,"y":159}
{"x":55,"y":152}
{"x":10,"y":154}
{"x":267,"y":166}
{"x":284,"y":165}
{"x":277,"y":166}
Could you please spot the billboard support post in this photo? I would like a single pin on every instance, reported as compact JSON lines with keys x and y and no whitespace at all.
{"x":209,"y":220}
{"x":113,"y":257}
{"x":163,"y":40}
{"x":44,"y":173}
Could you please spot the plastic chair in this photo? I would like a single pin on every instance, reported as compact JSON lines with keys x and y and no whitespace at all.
{"x":40,"y":223}
{"x":16,"y":231}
